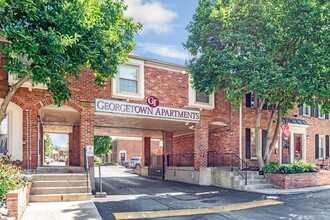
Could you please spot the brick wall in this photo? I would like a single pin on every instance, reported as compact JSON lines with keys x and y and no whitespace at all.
{"x":299,"y":180}
{"x":171,"y":88}
{"x":133,"y":148}
{"x":17,"y":201}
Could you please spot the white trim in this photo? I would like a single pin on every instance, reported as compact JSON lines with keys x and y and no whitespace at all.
{"x":15,"y":131}
{"x":119,"y":156}
{"x":194,"y":103}
{"x":12,"y":79}
{"x":115,"y":83}
{"x":324,"y":147}
{"x":295,"y":129}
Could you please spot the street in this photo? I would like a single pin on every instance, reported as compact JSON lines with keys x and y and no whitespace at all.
{"x":133,"y":197}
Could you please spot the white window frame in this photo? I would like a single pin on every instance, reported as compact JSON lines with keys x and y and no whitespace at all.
{"x":194,"y":103}
{"x":116,"y":93}
{"x":304,"y":110}
{"x":320,"y":113}
{"x":321,"y":147}
{"x":295,"y":129}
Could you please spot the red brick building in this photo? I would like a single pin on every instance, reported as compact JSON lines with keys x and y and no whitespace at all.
{"x":195,"y":129}
{"x":124,"y":148}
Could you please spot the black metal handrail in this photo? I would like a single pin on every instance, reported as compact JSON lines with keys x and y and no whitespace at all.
{"x":231,"y":160}
{"x":87,"y":167}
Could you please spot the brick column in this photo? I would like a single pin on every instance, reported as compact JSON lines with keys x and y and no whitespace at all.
{"x":74,"y":146}
{"x":168,"y":147}
{"x":86,"y":133}
{"x":30,"y":137}
{"x":146,"y":150}
{"x":201,"y":144}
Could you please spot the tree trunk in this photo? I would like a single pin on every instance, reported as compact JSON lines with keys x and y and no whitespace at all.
{"x":269,"y":132}
{"x":275,"y":138}
{"x":9,"y":95}
{"x":258,"y":131}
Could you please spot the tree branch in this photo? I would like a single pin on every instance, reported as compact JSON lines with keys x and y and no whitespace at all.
{"x":13,"y":89}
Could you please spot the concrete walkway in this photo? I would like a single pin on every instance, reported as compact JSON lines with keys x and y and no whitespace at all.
{"x":78,"y":210}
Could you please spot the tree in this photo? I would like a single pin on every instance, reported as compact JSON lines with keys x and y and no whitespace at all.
{"x":276,"y":50}
{"x":102,"y":145}
{"x":48,"y":145}
{"x":52,"y":39}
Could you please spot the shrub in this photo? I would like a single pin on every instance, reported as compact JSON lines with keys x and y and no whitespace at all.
{"x":10,"y":178}
{"x":297,"y":167}
{"x":272,"y":167}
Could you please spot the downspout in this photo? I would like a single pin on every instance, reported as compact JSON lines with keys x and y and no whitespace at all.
{"x":39,"y":157}
{"x":240,"y":134}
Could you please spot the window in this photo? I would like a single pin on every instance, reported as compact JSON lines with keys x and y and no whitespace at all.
{"x":319,"y":113}
{"x":306,"y":110}
{"x":129,"y":82}
{"x":321,"y":146}
{"x":128,"y":77}
{"x":200,"y":99}
{"x":250,"y":144}
{"x":4,"y":136}
{"x":250,"y":102}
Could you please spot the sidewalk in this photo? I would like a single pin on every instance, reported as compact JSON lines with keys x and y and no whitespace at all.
{"x":275,"y":191}
{"x":77,"y":210}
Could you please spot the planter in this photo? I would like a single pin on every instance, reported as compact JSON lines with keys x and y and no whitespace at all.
{"x":17,"y":200}
{"x":299,"y":180}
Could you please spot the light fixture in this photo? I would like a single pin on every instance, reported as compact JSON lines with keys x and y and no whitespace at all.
{"x":38,"y":118}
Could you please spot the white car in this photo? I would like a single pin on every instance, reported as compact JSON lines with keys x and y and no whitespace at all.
{"x":135,"y":162}
{"x":48,"y":160}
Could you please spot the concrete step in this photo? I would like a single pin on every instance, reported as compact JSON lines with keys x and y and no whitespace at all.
{"x":64,"y":183}
{"x":59,"y":190}
{"x":61,"y":197}
{"x":56,"y":176}
{"x":238,"y":177}
{"x":252,"y":182}
{"x":60,"y":169}
{"x":256,"y":186}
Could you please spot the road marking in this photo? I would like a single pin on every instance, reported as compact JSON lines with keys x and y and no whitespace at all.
{"x":197,"y":211}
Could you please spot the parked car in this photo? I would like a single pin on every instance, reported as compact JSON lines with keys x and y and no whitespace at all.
{"x":125,"y":163}
{"x":135,"y":162}
{"x":48,"y":160}
{"x":61,"y":159}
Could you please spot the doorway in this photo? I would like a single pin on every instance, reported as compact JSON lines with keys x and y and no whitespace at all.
{"x":56,"y":149}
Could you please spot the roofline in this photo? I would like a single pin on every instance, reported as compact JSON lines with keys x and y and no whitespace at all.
{"x":159,"y":63}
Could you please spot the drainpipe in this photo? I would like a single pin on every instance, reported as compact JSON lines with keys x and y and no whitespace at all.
{"x":39,"y":157}
{"x":240,"y":134}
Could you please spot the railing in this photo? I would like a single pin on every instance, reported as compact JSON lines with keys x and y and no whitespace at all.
{"x":87,"y":168}
{"x":231,"y":160}
{"x":180,"y":160}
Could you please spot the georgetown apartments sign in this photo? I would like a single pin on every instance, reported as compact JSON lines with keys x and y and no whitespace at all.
{"x":127,"y":108}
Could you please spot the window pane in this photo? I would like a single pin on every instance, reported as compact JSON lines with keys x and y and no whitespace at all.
{"x":253,"y":143}
{"x":4,"y":136}
{"x":298,"y":146}
{"x":201,"y":97}
{"x":128,"y":86}
{"x":128,"y":72}
{"x":321,"y":147}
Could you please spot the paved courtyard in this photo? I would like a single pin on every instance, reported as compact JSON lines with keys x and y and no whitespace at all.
{"x":133,"y":197}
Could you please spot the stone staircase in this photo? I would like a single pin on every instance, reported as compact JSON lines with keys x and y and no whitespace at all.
{"x":254,"y":181}
{"x":56,"y":184}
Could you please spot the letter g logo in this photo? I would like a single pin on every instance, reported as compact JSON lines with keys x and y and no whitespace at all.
{"x":152,"y":101}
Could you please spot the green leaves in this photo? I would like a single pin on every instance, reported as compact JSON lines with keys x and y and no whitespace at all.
{"x":102,"y":145}
{"x":274,"y":48}
{"x":62,"y":36}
